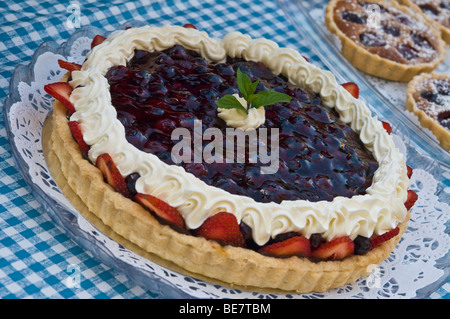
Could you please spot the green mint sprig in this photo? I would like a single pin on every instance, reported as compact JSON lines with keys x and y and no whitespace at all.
{"x":247,"y":89}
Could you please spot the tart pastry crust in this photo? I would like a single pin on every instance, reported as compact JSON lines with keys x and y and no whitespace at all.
{"x":383,"y":61}
{"x":422,"y":108}
{"x":441,"y":19}
{"x":128,"y":221}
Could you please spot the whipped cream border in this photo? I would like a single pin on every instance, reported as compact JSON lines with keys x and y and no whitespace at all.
{"x":378,"y":211}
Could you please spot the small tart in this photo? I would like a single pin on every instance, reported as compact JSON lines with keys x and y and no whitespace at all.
{"x":437,"y":11}
{"x":383,"y":39}
{"x":428,"y":97}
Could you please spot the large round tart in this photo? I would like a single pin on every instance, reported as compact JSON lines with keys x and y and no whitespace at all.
{"x":373,"y":211}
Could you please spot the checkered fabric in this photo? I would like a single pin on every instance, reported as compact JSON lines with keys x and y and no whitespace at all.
{"x":36,"y":256}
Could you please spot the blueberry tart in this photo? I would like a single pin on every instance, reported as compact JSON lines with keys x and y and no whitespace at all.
{"x":428,"y":97}
{"x":437,"y":11}
{"x":332,"y":203}
{"x":384,"y":39}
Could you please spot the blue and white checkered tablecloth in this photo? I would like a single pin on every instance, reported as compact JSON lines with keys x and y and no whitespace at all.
{"x":35,"y":254}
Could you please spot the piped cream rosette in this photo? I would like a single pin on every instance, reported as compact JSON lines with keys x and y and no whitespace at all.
{"x":379,"y":210}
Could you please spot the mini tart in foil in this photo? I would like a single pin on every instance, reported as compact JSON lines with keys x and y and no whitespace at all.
{"x":383,"y":39}
{"x":436,"y":11}
{"x":428,"y":97}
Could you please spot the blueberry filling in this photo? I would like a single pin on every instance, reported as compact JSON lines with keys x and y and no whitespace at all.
{"x":407,"y":51}
{"x":390,"y":29}
{"x":429,"y":10}
{"x":444,"y":119}
{"x":432,"y":97}
{"x":320,"y":157}
{"x":353,"y":17}
{"x":421,"y":41}
{"x":371,"y":39}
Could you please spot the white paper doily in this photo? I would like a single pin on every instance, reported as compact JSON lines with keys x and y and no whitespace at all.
{"x":417,"y":265}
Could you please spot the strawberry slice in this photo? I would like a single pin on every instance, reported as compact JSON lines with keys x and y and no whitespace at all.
{"x":294,"y":246}
{"x":69,"y":66}
{"x":387,"y":127}
{"x":97,"y":40}
{"x":377,"y":240}
{"x":352,"y":88}
{"x":411,"y":200}
{"x":222,"y":227}
{"x":61,"y":91}
{"x":78,"y":136}
{"x":112,"y":174}
{"x":161,"y":209}
{"x":337,"y":248}
{"x":409,"y":171}
{"x":189,"y":26}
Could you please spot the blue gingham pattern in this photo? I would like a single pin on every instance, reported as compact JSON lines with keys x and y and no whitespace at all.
{"x":35,"y":254}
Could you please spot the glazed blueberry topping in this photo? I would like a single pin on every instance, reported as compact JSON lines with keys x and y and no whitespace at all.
{"x":353,"y":17}
{"x":319,"y":156}
{"x":372,"y":39}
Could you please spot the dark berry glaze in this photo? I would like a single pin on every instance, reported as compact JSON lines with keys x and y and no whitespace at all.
{"x":319,"y":156}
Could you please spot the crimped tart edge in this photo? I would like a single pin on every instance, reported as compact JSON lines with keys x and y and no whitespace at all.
{"x":199,"y":257}
{"x":442,"y":135}
{"x":373,"y":64}
{"x":445,"y":32}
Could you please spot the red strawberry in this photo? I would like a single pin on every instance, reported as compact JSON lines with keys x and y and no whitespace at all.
{"x":189,"y":26}
{"x":387,"y":127}
{"x":222,"y":227}
{"x":112,"y":174}
{"x":161,"y":209}
{"x":411,"y":200}
{"x":69,"y":66}
{"x":78,"y":136}
{"x":294,"y":246}
{"x":61,"y":91}
{"x":409,"y":171}
{"x":338,"y":248}
{"x":377,"y":240}
{"x":352,"y":88}
{"x":97,"y":40}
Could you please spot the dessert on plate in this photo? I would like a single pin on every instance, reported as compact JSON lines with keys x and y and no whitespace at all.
{"x":384,"y":39}
{"x":139,"y":133}
{"x":428,"y":97}
{"x":437,"y":11}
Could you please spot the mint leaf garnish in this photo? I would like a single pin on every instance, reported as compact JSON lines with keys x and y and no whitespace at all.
{"x":246,"y":86}
{"x":265,"y":98}
{"x":247,"y":90}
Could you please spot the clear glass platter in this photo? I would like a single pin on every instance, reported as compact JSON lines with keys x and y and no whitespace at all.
{"x":422,"y":252}
{"x":387,"y":98}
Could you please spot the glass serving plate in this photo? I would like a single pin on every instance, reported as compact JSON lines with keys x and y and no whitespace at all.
{"x":422,"y":252}
{"x":387,"y":98}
